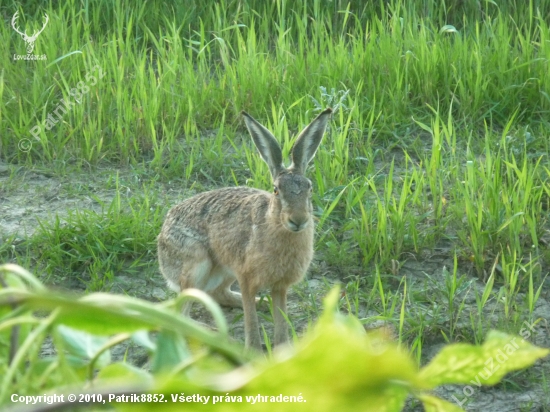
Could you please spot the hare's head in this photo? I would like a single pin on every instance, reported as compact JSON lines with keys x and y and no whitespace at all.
{"x":292,"y":190}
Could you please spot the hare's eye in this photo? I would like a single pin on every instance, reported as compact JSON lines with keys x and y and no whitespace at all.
{"x":276,"y":190}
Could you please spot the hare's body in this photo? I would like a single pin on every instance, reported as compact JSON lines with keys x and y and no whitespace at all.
{"x":260,"y":239}
{"x":210,"y":226}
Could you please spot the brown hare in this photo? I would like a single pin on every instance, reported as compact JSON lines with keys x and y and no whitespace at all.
{"x":259,"y":239}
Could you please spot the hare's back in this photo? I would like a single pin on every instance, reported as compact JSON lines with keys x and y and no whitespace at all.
{"x":220,"y":209}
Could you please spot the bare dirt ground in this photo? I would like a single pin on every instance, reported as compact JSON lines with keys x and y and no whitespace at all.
{"x":28,"y":196}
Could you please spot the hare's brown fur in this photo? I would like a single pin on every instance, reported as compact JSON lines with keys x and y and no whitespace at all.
{"x":260,"y":239}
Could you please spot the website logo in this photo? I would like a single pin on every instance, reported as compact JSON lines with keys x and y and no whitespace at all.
{"x":30,"y":40}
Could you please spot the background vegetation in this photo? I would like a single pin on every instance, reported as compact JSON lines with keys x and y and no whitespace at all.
{"x":439,"y":142}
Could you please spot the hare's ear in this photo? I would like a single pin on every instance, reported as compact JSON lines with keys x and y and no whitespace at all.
{"x":307,"y":143}
{"x":266,"y":144}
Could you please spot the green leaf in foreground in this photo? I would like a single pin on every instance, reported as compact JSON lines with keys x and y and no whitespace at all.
{"x":171,"y":351}
{"x":486,"y":365}
{"x":83,"y":345}
{"x":434,"y":404}
{"x":337,"y":366}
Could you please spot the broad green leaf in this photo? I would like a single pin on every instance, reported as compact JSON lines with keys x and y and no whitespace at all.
{"x":480,"y":365}
{"x":11,"y":280}
{"x":85,"y":317}
{"x":17,"y":277}
{"x":79,"y":314}
{"x":338,"y":370}
{"x":78,"y":364}
{"x":84,"y":345}
{"x":171,"y":351}
{"x":434,"y":404}
{"x":141,"y":337}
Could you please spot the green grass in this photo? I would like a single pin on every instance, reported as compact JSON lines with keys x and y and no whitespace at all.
{"x":439,"y":138}
{"x":95,"y":245}
{"x":164,"y":80}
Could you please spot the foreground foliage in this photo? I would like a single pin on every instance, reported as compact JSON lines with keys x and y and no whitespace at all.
{"x":335,"y":366}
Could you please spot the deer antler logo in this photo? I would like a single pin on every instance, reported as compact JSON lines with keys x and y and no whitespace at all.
{"x":28,"y":39}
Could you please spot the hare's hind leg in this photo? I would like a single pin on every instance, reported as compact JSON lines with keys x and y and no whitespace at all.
{"x":185,"y":267}
{"x":223,"y":293}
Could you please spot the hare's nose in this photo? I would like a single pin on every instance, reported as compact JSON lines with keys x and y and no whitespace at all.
{"x":297,"y":224}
